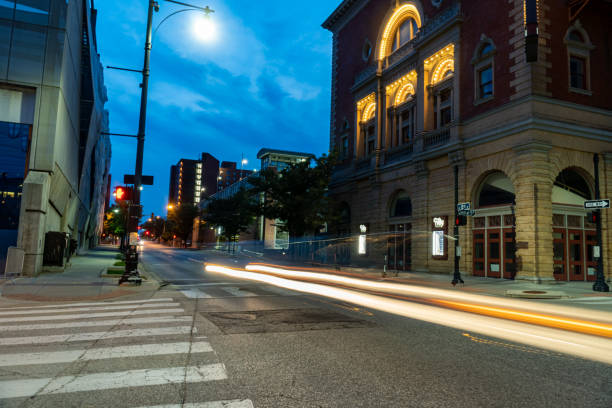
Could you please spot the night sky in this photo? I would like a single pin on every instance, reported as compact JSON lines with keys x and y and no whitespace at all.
{"x":263,"y":81}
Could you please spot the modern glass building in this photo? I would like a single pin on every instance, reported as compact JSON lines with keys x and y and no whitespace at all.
{"x":54,"y":160}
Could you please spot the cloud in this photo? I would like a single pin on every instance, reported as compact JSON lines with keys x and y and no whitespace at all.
{"x":168,"y":95}
{"x":298,"y":90}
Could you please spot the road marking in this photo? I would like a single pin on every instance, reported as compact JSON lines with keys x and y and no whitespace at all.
{"x":280,"y":291}
{"x":94,"y":336}
{"x":195,"y":294}
{"x":140,"y":350}
{"x":212,"y":404}
{"x":123,"y":302}
{"x":87,"y":309}
{"x":234,"y":291}
{"x":107,"y":381}
{"x":89,"y":315}
{"x":96,"y":323}
{"x":594,"y":299}
{"x":196,"y":260}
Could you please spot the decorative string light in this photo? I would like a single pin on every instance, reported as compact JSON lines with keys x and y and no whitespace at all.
{"x":403,"y":12}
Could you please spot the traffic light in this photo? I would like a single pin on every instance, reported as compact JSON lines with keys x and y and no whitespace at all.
{"x":592,"y":217}
{"x":123,"y":193}
{"x":460,"y":220}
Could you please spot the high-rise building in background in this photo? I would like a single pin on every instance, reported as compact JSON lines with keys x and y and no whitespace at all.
{"x":190,"y":180}
{"x":54,"y":157}
{"x":229,"y":173}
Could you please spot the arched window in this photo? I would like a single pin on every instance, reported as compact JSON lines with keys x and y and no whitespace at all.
{"x":401,"y":206}
{"x":570,"y":188}
{"x":483,"y":62}
{"x":579,"y":49}
{"x":404,"y":33}
{"x":496,"y":189}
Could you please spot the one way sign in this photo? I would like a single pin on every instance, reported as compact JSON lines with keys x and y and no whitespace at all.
{"x":590,"y":204}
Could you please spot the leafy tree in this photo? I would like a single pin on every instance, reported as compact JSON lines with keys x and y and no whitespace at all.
{"x":297,"y":195}
{"x":155,"y":226}
{"x":234,"y":214}
{"x":115,"y":222}
{"x":182,"y":220}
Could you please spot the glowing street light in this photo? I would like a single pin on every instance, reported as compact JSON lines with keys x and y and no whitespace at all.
{"x":204,"y":29}
{"x":170,"y":206}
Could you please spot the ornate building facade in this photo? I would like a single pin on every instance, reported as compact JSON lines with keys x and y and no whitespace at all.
{"x":507,"y":108}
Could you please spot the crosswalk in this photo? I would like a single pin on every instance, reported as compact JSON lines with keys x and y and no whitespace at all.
{"x":592,"y":300}
{"x":222,"y":292}
{"x":142,"y":350}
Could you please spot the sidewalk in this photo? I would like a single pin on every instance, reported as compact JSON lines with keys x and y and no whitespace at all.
{"x":80,"y":281}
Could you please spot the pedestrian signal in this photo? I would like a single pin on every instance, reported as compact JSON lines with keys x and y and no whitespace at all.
{"x":122,"y":193}
{"x":460,"y":220}
{"x":592,"y":217}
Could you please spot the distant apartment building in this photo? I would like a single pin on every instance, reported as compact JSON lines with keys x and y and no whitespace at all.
{"x":229,"y":174}
{"x":264,"y":232}
{"x":192,"y":179}
{"x":54,"y":157}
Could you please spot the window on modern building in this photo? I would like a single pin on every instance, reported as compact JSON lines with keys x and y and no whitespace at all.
{"x":579,"y":49}
{"x":405,"y":32}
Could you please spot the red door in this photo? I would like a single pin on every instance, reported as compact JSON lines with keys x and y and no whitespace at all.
{"x":590,"y":238}
{"x":509,"y":251}
{"x":559,"y":269}
{"x":478,"y":260}
{"x":494,"y":253}
{"x":575,"y":259}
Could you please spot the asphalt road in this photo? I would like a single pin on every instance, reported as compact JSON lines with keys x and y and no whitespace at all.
{"x":249,"y":344}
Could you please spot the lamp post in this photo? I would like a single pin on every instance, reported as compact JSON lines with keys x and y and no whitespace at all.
{"x":136,"y":209}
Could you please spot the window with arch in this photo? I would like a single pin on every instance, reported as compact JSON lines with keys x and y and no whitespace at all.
{"x":404,"y":33}
{"x":401,"y":205}
{"x":579,"y":49}
{"x":496,"y":189}
{"x":483,"y":62}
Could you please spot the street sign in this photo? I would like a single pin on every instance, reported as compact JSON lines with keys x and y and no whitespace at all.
{"x":463,"y":206}
{"x":602,"y":203}
{"x":469,"y":213}
{"x":146,"y":180}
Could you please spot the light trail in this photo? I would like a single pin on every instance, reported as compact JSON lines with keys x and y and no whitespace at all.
{"x":571,"y":313}
{"x":578,"y":344}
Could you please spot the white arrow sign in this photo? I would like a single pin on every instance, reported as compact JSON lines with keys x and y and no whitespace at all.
{"x":605,"y":203}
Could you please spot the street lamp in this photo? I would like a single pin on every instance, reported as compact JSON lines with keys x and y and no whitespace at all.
{"x":135,"y":214}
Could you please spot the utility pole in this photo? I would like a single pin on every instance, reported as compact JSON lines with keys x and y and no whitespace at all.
{"x":600,"y":284}
{"x":456,"y":275}
{"x":135,"y":209}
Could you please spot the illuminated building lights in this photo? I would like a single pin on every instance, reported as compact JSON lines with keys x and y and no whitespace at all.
{"x":367,"y":106}
{"x":399,"y":15}
{"x":368,"y":112}
{"x":441,"y":69}
{"x":405,"y":85}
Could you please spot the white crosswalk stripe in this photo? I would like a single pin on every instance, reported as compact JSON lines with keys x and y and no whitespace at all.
{"x":98,"y":308}
{"x":139,"y":338}
{"x":592,"y":300}
{"x":90,"y":315}
{"x":233,"y":291}
{"x":97,"y":323}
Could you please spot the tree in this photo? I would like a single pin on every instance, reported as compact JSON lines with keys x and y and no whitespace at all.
{"x":115,"y":222}
{"x":182,"y":218}
{"x":234,"y":214}
{"x":155,"y":226}
{"x":297,"y":195}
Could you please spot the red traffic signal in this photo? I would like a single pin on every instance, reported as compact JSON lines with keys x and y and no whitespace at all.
{"x":460,"y":220}
{"x":122,"y":193}
{"x":592,"y":217}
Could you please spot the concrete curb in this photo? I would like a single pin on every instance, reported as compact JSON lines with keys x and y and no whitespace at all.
{"x":537,"y":294}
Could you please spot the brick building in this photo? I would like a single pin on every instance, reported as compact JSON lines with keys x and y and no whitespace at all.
{"x":507,"y":108}
{"x":229,"y":173}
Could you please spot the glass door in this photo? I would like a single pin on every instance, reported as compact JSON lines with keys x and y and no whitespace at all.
{"x":493,"y":253}
{"x":575,"y":258}
{"x":559,"y":269}
{"x":479,"y":253}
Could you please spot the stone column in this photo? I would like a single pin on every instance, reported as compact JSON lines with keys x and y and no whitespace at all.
{"x":533,"y":183}
{"x":32,"y":218}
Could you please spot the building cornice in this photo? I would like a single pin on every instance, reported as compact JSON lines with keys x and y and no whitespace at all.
{"x":342,"y":14}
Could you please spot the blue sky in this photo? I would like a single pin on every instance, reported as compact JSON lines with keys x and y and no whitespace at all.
{"x":264,"y":81}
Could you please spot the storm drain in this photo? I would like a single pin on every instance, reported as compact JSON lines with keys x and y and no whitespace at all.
{"x":285,"y":320}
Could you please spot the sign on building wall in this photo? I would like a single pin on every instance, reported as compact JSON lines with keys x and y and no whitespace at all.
{"x":439,"y":228}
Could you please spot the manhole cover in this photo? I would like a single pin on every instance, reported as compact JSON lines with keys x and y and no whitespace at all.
{"x":534,"y":292}
{"x":285,"y":320}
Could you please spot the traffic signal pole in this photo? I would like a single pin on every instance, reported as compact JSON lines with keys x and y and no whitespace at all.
{"x":600,"y":284}
{"x":456,"y":275}
{"x":135,"y":212}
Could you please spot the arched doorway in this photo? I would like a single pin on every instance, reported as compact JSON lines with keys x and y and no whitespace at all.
{"x":573,"y":234}
{"x":493,"y":232}
{"x":399,"y":242}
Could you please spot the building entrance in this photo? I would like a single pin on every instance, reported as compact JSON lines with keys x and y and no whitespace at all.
{"x":573,"y":241}
{"x":399,"y":247}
